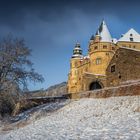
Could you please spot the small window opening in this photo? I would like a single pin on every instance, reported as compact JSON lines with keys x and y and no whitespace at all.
{"x":113,"y":68}
{"x":113,"y":48}
{"x":131,"y":39}
{"x":104,"y":47}
{"x":96,"y":47}
{"x":119,"y":75}
{"x":98,"y":61}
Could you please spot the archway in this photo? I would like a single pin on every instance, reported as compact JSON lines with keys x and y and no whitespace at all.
{"x":95,"y":85}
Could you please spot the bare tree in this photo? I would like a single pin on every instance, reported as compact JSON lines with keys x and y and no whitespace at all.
{"x":15,"y":67}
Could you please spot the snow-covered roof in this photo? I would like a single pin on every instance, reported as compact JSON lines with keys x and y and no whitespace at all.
{"x":104,"y":33}
{"x":130,"y":36}
{"x":114,"y":40}
{"x":77,"y":56}
{"x":86,"y":57}
{"x":77,"y":48}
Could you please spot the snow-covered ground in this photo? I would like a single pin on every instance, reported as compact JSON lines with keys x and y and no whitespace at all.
{"x":115,"y":118}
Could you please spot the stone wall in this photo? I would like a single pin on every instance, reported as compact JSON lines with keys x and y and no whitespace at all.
{"x":127,"y":67}
{"x":134,"y":45}
{"x":124,"y":90}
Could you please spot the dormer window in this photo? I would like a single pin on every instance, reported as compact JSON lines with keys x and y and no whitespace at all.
{"x":131,"y":39}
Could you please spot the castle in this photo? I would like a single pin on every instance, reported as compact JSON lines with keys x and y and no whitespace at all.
{"x":109,"y":61}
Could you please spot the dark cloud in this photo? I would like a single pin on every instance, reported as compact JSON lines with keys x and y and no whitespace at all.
{"x":14,"y":12}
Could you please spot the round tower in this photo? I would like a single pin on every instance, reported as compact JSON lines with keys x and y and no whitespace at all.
{"x":101,"y":50}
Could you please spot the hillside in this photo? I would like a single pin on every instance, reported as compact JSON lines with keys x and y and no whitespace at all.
{"x":56,"y":90}
{"x":116,"y":118}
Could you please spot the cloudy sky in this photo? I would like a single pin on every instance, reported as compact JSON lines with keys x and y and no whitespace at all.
{"x":52,"y":27}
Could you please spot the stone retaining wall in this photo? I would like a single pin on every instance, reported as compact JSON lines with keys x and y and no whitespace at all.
{"x":124,"y":90}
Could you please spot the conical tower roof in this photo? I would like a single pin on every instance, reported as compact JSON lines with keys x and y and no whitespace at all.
{"x":104,"y":33}
{"x":130,"y":36}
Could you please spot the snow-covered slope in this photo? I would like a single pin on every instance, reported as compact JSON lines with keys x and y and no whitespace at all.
{"x":88,"y":119}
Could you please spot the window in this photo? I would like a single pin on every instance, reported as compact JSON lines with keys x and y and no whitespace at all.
{"x":113,"y":68}
{"x":119,"y":75}
{"x":96,"y":47}
{"x":104,"y":47}
{"x":131,"y":39}
{"x":113,"y":48}
{"x":98,"y":61}
{"x":107,"y":53}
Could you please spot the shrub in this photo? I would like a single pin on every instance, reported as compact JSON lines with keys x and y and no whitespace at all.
{"x":7,"y":104}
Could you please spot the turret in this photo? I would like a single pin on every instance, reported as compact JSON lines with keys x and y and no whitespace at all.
{"x":97,"y":38}
{"x":73,"y":75}
{"x":103,"y":33}
{"x":92,"y":39}
{"x":102,"y":40}
{"x":77,"y":55}
{"x":77,"y":52}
